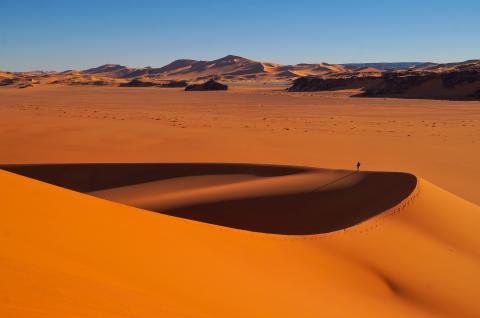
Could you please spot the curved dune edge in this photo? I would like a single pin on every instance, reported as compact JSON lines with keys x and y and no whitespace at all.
{"x":260,"y":198}
{"x":62,"y":255}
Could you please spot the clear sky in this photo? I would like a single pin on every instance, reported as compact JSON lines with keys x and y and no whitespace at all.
{"x":77,"y":34}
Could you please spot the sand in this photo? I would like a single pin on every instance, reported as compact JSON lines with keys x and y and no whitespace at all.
{"x":435,"y":140}
{"x":258,"y":198}
{"x":295,"y":231}
{"x":65,"y":253}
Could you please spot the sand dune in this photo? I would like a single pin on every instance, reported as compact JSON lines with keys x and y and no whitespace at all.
{"x":69,"y":77}
{"x":6,"y":75}
{"x":65,"y":253}
{"x":309,"y":201}
{"x":110,"y":70}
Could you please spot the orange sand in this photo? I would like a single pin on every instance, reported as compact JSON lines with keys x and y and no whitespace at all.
{"x":259,"y":198}
{"x":69,"y":254}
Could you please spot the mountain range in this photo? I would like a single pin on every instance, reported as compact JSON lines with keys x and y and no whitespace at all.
{"x":229,"y":68}
{"x":232,"y":68}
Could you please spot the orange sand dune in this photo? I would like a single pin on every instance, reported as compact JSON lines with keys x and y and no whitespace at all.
{"x":65,"y":253}
{"x":261,"y":198}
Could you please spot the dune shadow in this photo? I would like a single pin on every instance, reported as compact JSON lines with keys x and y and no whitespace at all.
{"x":307,"y":213}
{"x":320,"y":209}
{"x":89,"y":177}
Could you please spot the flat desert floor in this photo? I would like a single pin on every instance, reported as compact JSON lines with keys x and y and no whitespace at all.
{"x":436,"y":140}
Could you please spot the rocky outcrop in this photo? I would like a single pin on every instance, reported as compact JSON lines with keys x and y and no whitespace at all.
{"x":18,"y":82}
{"x":210,"y":85}
{"x":138,"y":83}
{"x":142,"y":83}
{"x":456,"y":81}
{"x":173,"y":84}
{"x":397,"y":83}
{"x":7,"y":81}
{"x":455,"y":85}
{"x":312,"y":84}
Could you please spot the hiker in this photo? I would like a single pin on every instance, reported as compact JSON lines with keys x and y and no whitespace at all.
{"x":358,"y":166}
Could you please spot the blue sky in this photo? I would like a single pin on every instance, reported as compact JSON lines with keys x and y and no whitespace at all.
{"x":59,"y":35}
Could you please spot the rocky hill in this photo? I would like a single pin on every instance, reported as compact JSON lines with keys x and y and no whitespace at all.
{"x":210,"y":85}
{"x":456,"y":81}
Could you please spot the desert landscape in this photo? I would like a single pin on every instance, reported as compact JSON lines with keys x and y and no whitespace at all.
{"x":227,"y":177}
{"x":220,"y":185}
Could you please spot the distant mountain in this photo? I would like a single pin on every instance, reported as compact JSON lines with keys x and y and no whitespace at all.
{"x":470,"y":64}
{"x":228,"y":68}
{"x":386,"y":66}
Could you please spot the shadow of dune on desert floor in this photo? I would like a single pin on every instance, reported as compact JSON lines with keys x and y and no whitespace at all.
{"x":261,"y":198}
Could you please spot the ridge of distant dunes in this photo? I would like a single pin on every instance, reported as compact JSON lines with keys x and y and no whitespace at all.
{"x":228,"y":67}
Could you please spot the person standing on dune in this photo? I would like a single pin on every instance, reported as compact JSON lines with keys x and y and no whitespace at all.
{"x":358,"y":165}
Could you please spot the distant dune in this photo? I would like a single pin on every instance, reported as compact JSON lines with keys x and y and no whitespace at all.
{"x":230,"y":67}
{"x":6,"y":75}
{"x":69,"y":77}
{"x":65,"y":253}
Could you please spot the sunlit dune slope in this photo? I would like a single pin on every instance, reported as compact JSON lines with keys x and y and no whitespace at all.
{"x":67,"y":254}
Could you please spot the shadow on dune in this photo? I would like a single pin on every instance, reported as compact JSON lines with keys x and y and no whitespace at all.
{"x":323,"y":208}
{"x":307,"y":213}
{"x":88,"y":177}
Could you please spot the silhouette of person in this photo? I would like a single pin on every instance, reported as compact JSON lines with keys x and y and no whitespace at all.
{"x":358,"y":165}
